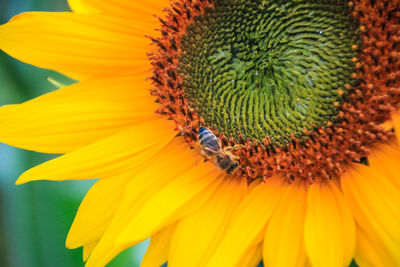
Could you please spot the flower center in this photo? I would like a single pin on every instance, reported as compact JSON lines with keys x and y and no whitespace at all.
{"x":268,"y":70}
{"x":296,"y":88}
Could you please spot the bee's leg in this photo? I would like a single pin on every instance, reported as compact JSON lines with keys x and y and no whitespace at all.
{"x":230,"y":148}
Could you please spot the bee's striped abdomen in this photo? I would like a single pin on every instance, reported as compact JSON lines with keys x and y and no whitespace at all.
{"x":208,"y":139}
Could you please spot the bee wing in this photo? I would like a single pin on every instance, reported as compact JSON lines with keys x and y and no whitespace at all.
{"x":208,"y":139}
{"x":209,"y":150}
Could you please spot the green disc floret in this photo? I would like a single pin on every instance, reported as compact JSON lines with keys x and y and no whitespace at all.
{"x":268,"y":69}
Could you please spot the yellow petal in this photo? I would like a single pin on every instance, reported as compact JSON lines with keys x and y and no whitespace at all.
{"x":79,"y":45}
{"x":375,"y":202}
{"x":370,"y":252}
{"x":284,"y":238}
{"x":396,"y":123}
{"x":118,"y":246}
{"x":96,"y":210}
{"x":127,"y":150}
{"x":254,"y":184}
{"x":77,"y":115}
{"x":173,"y":162}
{"x":80,"y":6}
{"x":329,"y":227}
{"x":121,"y":8}
{"x":157,"y":253}
{"x":252,"y":257}
{"x":88,"y":249}
{"x":385,"y":158}
{"x":246,"y":228}
{"x":197,"y":235}
{"x":160,"y":209}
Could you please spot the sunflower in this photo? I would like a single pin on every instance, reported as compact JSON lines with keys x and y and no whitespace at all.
{"x":227,"y":131}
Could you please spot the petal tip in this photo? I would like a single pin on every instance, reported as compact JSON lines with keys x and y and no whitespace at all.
{"x":24,"y":178}
{"x":70,"y":245}
{"x":73,"y":241}
{"x":20,"y":181}
{"x":69,"y":242}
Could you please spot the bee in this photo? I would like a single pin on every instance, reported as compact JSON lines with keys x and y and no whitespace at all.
{"x":212,"y":150}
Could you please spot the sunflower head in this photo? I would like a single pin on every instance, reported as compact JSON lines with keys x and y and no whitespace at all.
{"x":295,"y":101}
{"x":282,"y":80}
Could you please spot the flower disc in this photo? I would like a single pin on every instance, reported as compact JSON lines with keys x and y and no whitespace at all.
{"x":279,"y":80}
{"x":268,"y":69}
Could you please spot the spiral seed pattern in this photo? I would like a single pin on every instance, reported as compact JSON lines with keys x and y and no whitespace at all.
{"x":269,"y":70}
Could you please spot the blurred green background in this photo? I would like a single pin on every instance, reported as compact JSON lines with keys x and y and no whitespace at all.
{"x":35,"y":217}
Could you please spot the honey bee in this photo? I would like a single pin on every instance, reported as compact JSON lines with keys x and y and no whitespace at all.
{"x":212,"y":150}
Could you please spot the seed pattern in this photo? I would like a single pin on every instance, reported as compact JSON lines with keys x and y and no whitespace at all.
{"x":268,"y":70}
